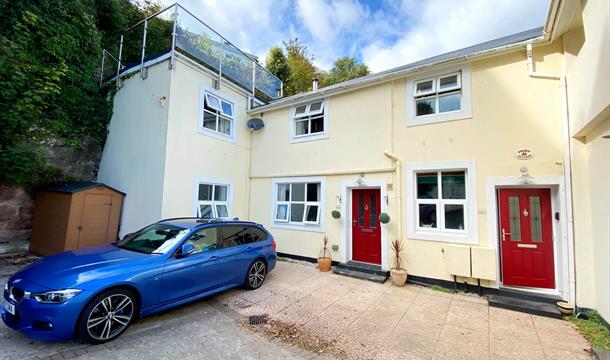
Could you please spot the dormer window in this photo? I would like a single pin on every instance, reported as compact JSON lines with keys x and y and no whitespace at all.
{"x":217,"y":115}
{"x":309,"y":121}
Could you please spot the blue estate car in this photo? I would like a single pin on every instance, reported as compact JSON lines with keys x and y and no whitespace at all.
{"x":95,"y":293}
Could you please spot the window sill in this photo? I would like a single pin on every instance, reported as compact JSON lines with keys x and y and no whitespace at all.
{"x":217,"y":135}
{"x":442,"y":237}
{"x":437,"y":118}
{"x":297,"y":227}
{"x":306,"y":138}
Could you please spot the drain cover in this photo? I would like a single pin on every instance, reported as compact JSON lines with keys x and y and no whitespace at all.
{"x":257,"y":319}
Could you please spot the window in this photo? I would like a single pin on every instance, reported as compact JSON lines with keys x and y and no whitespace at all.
{"x":441,"y":201}
{"x":213,"y":201}
{"x":298,"y":203}
{"x":204,"y":240}
{"x":309,"y":121}
{"x":217,"y":115}
{"x":438,"y":95}
{"x":241,"y":235}
{"x":442,"y":97}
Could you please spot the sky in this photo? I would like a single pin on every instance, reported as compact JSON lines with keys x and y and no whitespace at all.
{"x":382,"y":34}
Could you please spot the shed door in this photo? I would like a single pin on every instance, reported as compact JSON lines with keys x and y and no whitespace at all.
{"x":95,"y":218}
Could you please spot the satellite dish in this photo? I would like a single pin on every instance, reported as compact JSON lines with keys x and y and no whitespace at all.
{"x":255,"y":124}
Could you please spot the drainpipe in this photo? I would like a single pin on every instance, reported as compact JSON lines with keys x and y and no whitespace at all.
{"x":567,"y":165}
{"x":396,"y":161}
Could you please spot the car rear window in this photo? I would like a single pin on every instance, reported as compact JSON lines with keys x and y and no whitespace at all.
{"x":241,"y":235}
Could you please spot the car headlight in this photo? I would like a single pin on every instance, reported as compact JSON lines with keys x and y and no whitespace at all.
{"x":55,"y":296}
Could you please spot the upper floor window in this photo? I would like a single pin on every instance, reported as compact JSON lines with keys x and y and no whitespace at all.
{"x":309,"y":121}
{"x":439,"y":97}
{"x":218,"y":115}
{"x":213,"y":201}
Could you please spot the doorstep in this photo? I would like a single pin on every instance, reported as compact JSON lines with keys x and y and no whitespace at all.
{"x":362,"y":271}
{"x":536,"y":304}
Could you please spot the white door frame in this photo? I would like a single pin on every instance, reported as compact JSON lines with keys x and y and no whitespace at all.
{"x":345,"y":240}
{"x":562,"y":251}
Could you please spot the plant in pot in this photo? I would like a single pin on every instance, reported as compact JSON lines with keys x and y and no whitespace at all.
{"x":325,"y":260}
{"x":398,"y":275}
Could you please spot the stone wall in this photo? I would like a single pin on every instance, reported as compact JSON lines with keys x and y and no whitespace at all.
{"x":16,"y":210}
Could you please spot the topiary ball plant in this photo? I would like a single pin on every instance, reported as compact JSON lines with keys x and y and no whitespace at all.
{"x":336,"y":214}
{"x":384,"y":218}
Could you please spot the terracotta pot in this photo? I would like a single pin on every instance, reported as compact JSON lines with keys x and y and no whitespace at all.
{"x":324,"y":264}
{"x":398,"y":276}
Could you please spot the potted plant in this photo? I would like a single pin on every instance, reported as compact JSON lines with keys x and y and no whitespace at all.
{"x":398,"y":275}
{"x":324,"y":261}
{"x":336,"y":214}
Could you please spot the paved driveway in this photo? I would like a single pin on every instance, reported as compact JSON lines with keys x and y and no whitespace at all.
{"x":362,"y":319}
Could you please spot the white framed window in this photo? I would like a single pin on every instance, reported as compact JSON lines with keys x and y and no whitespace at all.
{"x":309,"y":121}
{"x":298,"y":203}
{"x":441,"y":202}
{"x":442,"y":97}
{"x":213,"y":200}
{"x":216,"y":115}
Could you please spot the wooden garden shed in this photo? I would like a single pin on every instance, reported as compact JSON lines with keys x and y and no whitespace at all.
{"x":74,"y":215}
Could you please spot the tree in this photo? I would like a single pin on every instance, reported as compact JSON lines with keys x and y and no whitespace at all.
{"x":302,"y":70}
{"x":277,"y":63}
{"x":344,"y":69}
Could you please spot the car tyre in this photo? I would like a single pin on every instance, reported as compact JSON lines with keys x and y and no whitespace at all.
{"x":257,"y":273}
{"x":107,"y":316}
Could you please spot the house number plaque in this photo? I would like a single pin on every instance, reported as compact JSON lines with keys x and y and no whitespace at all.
{"x":524,"y":154}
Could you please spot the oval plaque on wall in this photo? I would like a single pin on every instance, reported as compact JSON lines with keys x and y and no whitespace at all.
{"x":524,"y":154}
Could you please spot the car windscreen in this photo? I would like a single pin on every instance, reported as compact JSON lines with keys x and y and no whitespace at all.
{"x":154,"y":239}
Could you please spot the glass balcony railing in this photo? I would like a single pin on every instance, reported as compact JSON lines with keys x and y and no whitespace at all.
{"x":176,"y":30}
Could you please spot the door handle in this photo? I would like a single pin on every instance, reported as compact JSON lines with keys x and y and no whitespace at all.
{"x":213,"y":258}
{"x":249,"y":248}
{"x":504,"y":233}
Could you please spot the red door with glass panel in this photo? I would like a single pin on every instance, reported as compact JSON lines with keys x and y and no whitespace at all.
{"x":366,"y":231}
{"x":526,"y":236}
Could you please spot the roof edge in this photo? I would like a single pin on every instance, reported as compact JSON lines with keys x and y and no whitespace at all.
{"x":538,"y":36}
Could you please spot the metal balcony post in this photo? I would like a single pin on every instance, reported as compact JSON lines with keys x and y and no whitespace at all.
{"x":142,"y":72}
{"x":222,"y":56}
{"x":102,"y":69}
{"x":254,"y":78}
{"x":171,"y":60}
{"x":118,"y":68}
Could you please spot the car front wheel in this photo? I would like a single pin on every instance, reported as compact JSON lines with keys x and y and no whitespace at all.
{"x":257,"y":272}
{"x":107,"y":316}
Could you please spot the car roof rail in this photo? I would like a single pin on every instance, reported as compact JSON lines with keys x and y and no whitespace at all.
{"x":180,"y":218}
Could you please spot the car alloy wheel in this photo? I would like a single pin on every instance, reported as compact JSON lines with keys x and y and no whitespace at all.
{"x":110,"y":317}
{"x":256,"y":274}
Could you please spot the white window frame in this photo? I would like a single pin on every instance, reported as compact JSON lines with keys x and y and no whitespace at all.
{"x":318,"y":225}
{"x":213,"y":203}
{"x":306,"y":116}
{"x":470,"y":234}
{"x":206,"y":93}
{"x":463,"y":87}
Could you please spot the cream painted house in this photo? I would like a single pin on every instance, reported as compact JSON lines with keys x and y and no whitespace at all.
{"x":492,"y":161}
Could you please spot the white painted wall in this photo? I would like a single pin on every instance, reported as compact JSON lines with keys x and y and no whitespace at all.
{"x":134,"y":153}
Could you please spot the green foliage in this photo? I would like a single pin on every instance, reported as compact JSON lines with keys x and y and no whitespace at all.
{"x":344,"y":69}
{"x":49,"y":59}
{"x":441,"y":289}
{"x":302,"y":70}
{"x":593,"y":329}
{"x":277,"y":63}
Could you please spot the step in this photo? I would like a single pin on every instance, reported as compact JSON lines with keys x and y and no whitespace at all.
{"x":520,"y":294}
{"x":529,"y":306}
{"x":363,"y":267}
{"x":360,"y":274}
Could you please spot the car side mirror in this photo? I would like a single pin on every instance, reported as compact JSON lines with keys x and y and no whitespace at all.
{"x":187,"y":249}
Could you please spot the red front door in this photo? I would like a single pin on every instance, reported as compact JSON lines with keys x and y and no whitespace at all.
{"x":366,"y":232}
{"x":526,"y":234}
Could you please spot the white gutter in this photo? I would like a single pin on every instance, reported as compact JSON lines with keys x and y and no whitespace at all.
{"x":396,"y":161}
{"x":389,"y":76}
{"x":567,"y":166}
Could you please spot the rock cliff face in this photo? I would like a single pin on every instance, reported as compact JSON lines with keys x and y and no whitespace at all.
{"x":17,"y":204}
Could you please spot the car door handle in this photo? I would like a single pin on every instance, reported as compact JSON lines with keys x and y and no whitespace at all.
{"x":213,"y":258}
{"x":249,"y":248}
